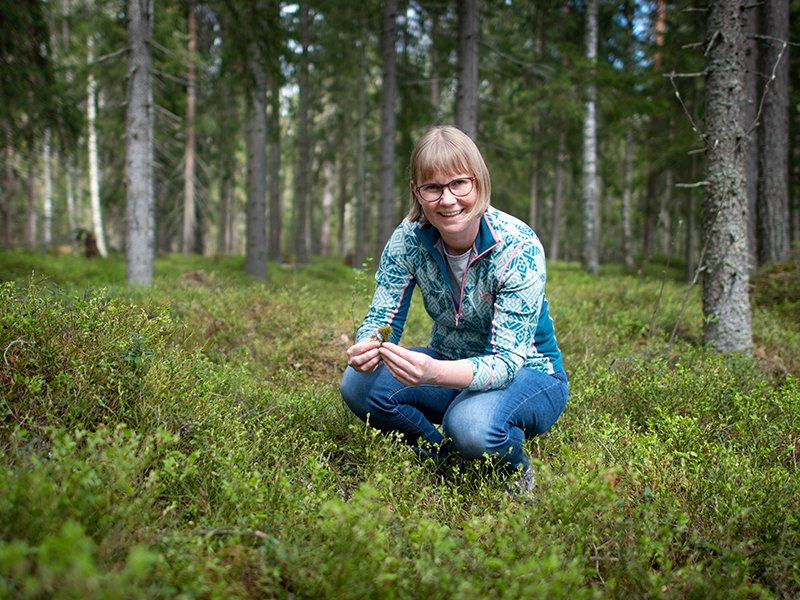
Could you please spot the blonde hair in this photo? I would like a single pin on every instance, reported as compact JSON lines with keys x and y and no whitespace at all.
{"x":448,"y":151}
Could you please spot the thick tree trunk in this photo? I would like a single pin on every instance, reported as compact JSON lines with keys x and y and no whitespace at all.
{"x":302,"y":178}
{"x":772,"y":206}
{"x":140,"y":234}
{"x":189,"y":219}
{"x":467,"y":91}
{"x":750,"y":114}
{"x":255,"y":258}
{"x":589,"y":260}
{"x":726,"y":306}
{"x":386,"y":216}
{"x":94,"y":168}
{"x":360,"y":208}
{"x":275,"y":209}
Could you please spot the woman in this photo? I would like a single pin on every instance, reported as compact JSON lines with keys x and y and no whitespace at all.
{"x":491,"y":374}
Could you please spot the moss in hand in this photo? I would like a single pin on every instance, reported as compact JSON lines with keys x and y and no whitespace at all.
{"x":383,"y":334}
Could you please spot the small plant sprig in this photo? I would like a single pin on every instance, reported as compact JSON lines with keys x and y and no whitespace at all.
{"x":382,"y":334}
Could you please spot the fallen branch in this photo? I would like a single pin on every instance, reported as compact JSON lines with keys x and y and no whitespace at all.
{"x":16,"y":341}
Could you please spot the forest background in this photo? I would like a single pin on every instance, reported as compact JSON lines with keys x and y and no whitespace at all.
{"x":269,"y":122}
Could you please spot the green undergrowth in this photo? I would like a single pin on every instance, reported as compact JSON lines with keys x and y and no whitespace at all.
{"x":188,"y":441}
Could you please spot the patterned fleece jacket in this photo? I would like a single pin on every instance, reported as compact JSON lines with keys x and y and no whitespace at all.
{"x":502,"y":322}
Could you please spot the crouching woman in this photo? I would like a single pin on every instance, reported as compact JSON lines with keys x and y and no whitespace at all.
{"x":492,"y":372}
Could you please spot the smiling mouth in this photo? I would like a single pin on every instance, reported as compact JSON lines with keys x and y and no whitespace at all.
{"x":452,"y":214}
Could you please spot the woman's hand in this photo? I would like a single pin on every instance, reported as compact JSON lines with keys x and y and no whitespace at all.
{"x":364,"y":356}
{"x":408,"y":367}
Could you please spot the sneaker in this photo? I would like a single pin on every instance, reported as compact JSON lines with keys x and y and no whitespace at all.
{"x":521,"y":486}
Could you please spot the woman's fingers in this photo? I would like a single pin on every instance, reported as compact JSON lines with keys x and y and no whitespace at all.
{"x":364,"y":356}
{"x":408,"y":367}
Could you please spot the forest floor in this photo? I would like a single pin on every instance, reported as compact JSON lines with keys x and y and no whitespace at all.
{"x":188,"y":440}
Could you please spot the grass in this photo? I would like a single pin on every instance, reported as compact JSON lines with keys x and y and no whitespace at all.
{"x":188,"y":441}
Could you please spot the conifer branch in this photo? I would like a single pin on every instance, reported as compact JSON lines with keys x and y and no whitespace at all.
{"x":766,"y":90}
{"x":170,"y":77}
{"x":155,"y":44}
{"x":107,"y":56}
{"x":693,"y":185}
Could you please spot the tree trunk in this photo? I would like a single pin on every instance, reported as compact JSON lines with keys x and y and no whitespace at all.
{"x":275,"y":210}
{"x":32,"y":209}
{"x":726,"y":306}
{"x":772,"y":205}
{"x":360,"y":242}
{"x":94,"y":168}
{"x":467,"y":91}
{"x":666,"y":216}
{"x":189,"y":220}
{"x":533,"y":198}
{"x":327,"y":205}
{"x":8,"y":210}
{"x":691,"y":235}
{"x":343,"y":181}
{"x":303,"y":142}
{"x":558,"y":193}
{"x":627,"y":192}
{"x":225,"y":212}
{"x":255,"y":258}
{"x":750,"y":110}
{"x":434,"y":58}
{"x":140,"y":234}
{"x":589,"y":260}
{"x":386,"y":216}
{"x":47,"y":197}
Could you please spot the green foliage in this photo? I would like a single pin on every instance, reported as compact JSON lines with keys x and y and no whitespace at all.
{"x":189,"y":440}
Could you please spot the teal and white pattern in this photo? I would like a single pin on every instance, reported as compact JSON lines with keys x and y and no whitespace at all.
{"x":503,"y":322}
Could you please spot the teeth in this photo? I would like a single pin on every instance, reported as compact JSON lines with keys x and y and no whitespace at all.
{"x":451,"y":214}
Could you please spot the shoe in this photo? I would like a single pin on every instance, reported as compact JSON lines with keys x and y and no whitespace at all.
{"x":521,"y":486}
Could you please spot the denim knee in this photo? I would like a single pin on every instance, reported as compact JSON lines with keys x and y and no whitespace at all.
{"x":471,"y":437}
{"x":354,"y":393}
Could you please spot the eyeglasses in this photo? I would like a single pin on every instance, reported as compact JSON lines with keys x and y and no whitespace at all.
{"x":431,"y":192}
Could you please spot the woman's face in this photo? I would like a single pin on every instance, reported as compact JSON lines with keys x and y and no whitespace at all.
{"x":452,"y":215}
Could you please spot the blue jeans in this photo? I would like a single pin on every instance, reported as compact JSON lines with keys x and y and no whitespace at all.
{"x":493,"y":422}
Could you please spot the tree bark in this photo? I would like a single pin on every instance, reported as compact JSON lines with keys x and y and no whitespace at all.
{"x":750,"y":112}
{"x":343,"y":184}
{"x":627,"y":192}
{"x":726,"y":306}
{"x":47,"y":197}
{"x":467,"y":91}
{"x":360,"y":208}
{"x":589,"y":260}
{"x":8,"y":210}
{"x":303,"y":146}
{"x":94,"y":168}
{"x":189,"y":220}
{"x":32,"y":209}
{"x":558,"y":193}
{"x":255,"y":258}
{"x":275,"y":209}
{"x":327,"y":205}
{"x":140,"y":234}
{"x":386,"y":216}
{"x":772,"y":205}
